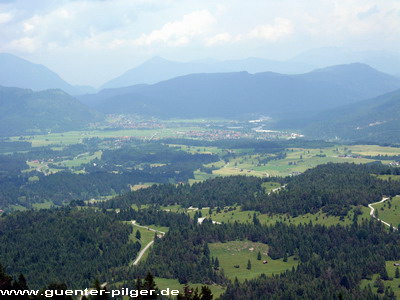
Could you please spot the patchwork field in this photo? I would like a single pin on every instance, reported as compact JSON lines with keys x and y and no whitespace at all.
{"x":297,"y":160}
{"x":75,"y":137}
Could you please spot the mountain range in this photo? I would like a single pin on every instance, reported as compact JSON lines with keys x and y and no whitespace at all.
{"x":382,"y":60}
{"x":158,"y":69}
{"x":236,"y":94}
{"x":24,"y":111}
{"x":18,"y":72}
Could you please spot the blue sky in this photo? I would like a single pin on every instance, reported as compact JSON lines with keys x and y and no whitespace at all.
{"x":90,"y":41}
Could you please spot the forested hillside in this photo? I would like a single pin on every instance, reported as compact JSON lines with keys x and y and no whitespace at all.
{"x":64,"y":245}
{"x":334,"y":188}
{"x":24,"y":111}
{"x":114,"y":173}
{"x":374,"y":120}
{"x":218,"y":192}
{"x":333,"y":260}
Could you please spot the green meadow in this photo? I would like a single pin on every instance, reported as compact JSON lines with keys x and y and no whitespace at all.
{"x":235,"y":214}
{"x":173,"y":284}
{"x":389,"y":211}
{"x":75,"y":137}
{"x":234,"y":256}
{"x":394,"y":283}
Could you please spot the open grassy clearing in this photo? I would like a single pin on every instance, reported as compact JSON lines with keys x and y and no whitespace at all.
{"x":44,"y":205}
{"x":146,"y":237}
{"x":227,"y":215}
{"x":389,"y":177}
{"x":77,"y":161}
{"x":270,"y":186}
{"x":199,"y":150}
{"x":238,"y":253}
{"x":142,"y":186}
{"x":393,"y":284}
{"x":374,"y":150}
{"x":389,"y":211}
{"x":173,"y":284}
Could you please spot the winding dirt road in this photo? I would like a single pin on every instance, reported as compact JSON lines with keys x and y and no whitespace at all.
{"x":372,"y":212}
{"x":143,"y":251}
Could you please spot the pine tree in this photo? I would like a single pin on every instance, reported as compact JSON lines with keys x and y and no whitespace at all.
{"x":259,"y":255}
{"x":206,"y":293}
{"x":248,"y":265}
{"x":138,"y":284}
{"x":206,"y":250}
{"x":285,"y":257}
{"x":379,"y":284}
{"x":397,"y":273}
{"x":138,"y":234}
{"x":256,"y":221}
{"x":384,"y":274}
{"x":216,"y":263}
{"x":196,"y":295}
{"x":101,"y":296}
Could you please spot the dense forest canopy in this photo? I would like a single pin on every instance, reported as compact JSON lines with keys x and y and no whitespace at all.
{"x":64,"y":245}
{"x":334,"y":188}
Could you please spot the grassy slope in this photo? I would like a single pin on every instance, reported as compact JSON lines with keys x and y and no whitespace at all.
{"x":239,"y":252}
{"x":173,"y":284}
{"x":240,"y":216}
{"x":390,"y":211}
{"x":394,"y":284}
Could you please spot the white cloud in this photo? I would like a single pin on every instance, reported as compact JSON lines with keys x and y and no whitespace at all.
{"x":219,"y":38}
{"x":127,"y":32}
{"x":181,"y":32}
{"x":25,"y":44}
{"x":272,"y":32}
{"x":222,"y":38}
{"x":5,"y":17}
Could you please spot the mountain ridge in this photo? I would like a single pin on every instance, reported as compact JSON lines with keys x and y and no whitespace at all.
{"x":21,"y":73}
{"x":238,"y":93}
{"x":23,"y":111}
{"x":158,"y":69}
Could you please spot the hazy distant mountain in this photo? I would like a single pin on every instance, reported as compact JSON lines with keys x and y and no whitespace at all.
{"x":158,"y":69}
{"x":372,"y":120}
{"x":382,"y":60}
{"x":24,"y":111}
{"x":18,"y":72}
{"x":235,"y":94}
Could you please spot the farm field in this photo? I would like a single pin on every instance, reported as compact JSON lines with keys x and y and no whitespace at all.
{"x":297,"y":160}
{"x":238,"y":253}
{"x":75,"y":137}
